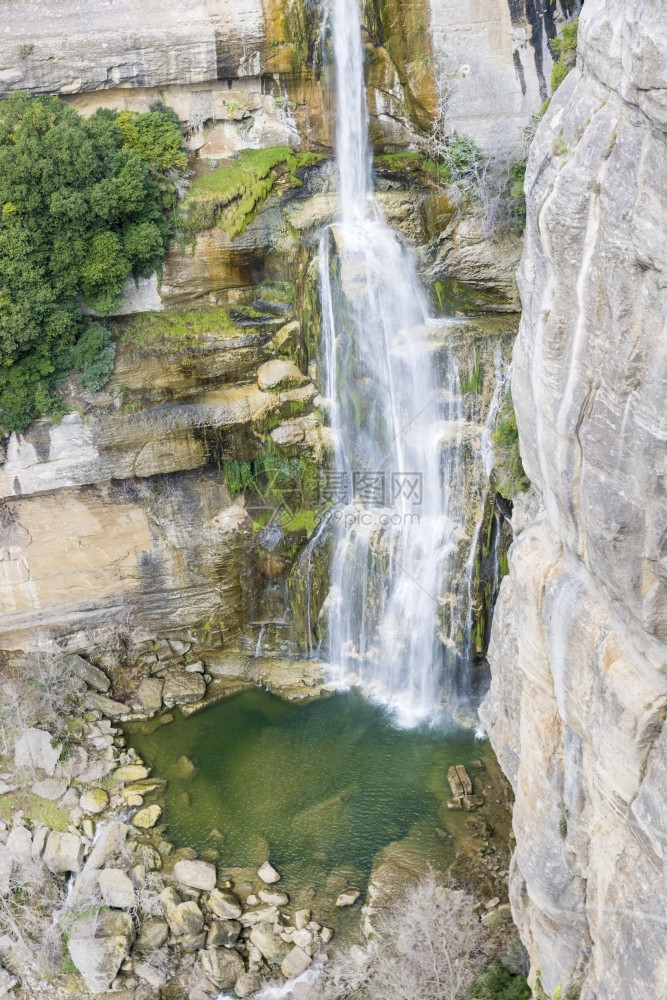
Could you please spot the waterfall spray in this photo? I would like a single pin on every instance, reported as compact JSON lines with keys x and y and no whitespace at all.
{"x":397,"y":431}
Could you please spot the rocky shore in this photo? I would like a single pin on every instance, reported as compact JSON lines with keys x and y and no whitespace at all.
{"x":82,"y":826}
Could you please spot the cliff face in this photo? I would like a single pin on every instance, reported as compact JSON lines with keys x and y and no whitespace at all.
{"x":579,"y":656}
{"x":231,"y":59}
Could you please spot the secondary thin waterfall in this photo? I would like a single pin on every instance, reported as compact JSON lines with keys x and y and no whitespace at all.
{"x":397,"y":429}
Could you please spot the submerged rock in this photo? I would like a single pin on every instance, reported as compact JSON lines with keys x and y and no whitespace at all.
{"x":148,"y":817}
{"x":268,"y":873}
{"x":184,"y":768}
{"x":348,"y":898}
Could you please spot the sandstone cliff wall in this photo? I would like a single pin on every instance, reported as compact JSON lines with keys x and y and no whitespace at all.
{"x":578,"y":700}
{"x":256,"y":65}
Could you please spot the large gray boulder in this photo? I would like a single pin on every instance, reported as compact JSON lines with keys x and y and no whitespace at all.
{"x":98,"y":944}
{"x":153,"y":934}
{"x":222,"y":966}
{"x":223,"y":933}
{"x":182,"y":688}
{"x":295,"y":962}
{"x":93,"y":676}
{"x":63,"y":852}
{"x":149,"y":693}
{"x":183,"y":918}
{"x":34,"y":749}
{"x":19,"y":845}
{"x":225,"y":904}
{"x":116,"y":889}
{"x":279,"y":374}
{"x":196,"y":874}
{"x":269,"y":944}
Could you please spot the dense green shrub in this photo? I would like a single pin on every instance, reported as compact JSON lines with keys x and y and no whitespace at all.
{"x":498,"y":983}
{"x":463,"y":156}
{"x":558,"y":73}
{"x":516,"y":200}
{"x":83,"y":203}
{"x":93,"y":356}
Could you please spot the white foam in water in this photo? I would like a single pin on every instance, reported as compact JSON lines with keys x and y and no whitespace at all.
{"x":277,"y":991}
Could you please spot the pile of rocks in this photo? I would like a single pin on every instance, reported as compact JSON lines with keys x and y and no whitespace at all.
{"x":463,"y":793}
{"x":139,"y":913}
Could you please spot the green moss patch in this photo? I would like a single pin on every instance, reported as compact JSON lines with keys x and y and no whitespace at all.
{"x":232,"y":193}
{"x":179,"y":327}
{"x":510,"y":472}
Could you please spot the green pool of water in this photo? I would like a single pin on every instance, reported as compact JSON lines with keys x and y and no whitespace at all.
{"x":319,"y":788}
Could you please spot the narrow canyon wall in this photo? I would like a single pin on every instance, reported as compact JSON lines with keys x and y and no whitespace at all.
{"x":578,"y":699}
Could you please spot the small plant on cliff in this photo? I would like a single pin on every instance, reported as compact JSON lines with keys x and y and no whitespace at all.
{"x":514,"y":195}
{"x":509,"y":472}
{"x":565,"y":47}
{"x":83,"y":204}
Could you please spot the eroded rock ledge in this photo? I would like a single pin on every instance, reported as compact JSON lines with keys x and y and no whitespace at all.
{"x":577,"y":706}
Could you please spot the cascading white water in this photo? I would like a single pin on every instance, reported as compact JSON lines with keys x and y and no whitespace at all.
{"x":397,"y":429}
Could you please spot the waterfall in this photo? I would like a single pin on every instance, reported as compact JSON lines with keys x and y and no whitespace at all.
{"x":397,"y":430}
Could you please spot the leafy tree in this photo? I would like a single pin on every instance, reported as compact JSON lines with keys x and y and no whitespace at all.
{"x":83,"y":203}
{"x":93,"y":356}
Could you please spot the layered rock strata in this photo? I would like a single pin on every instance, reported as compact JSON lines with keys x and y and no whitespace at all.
{"x":578,"y":701}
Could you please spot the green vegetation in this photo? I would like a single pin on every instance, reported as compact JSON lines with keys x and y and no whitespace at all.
{"x":401,"y":163}
{"x":174,"y":327}
{"x":230,"y":195}
{"x":462,"y":157}
{"x":456,"y":160}
{"x":278,"y":487}
{"x":470,"y":381}
{"x":83,"y":203}
{"x":515,"y":199}
{"x":498,"y":983}
{"x":565,"y":47}
{"x":93,"y":356}
{"x":562,"y":821}
{"x":511,"y":476}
